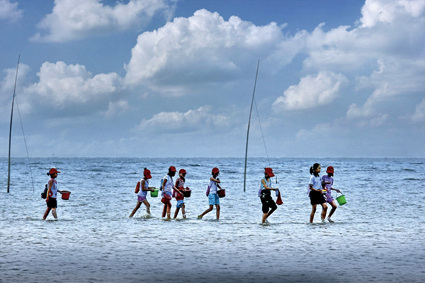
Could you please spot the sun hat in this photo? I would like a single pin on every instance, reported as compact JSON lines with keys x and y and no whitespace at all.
{"x":215,"y":170}
{"x":330,"y":169}
{"x":172,"y":169}
{"x":53,"y":171}
{"x":147,"y":173}
{"x":269,"y":171}
{"x":182,"y":171}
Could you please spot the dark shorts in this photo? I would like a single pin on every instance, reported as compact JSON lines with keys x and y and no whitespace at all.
{"x":268,"y":204}
{"x":316,"y":198}
{"x":52,"y":203}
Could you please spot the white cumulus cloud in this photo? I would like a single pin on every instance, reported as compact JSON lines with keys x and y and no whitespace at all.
{"x":9,"y":11}
{"x":312,"y":91}
{"x":76,"y":19}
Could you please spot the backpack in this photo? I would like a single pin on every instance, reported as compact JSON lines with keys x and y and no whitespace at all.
{"x":137,"y":188}
{"x":44,"y":193}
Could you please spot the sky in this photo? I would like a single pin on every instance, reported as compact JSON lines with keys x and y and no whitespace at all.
{"x":175,"y":78}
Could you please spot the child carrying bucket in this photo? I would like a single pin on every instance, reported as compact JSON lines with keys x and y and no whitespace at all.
{"x":327,"y":182}
{"x":180,"y":196}
{"x":315,"y":192}
{"x":212,"y":194}
{"x":167,"y":187}
{"x":269,"y":206}
{"x":143,"y":191}
{"x":52,"y":191}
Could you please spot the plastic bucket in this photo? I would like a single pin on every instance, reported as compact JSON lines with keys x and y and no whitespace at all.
{"x":154,"y":193}
{"x":221,"y":193}
{"x":341,"y":200}
{"x":187,"y":193}
{"x":65,"y":194}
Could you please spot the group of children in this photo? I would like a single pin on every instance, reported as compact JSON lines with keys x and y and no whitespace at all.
{"x":319,"y":192}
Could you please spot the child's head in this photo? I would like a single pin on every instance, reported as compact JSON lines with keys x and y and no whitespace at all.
{"x":147,"y":174}
{"x":182,"y":173}
{"x":53,"y":173}
{"x":315,"y":169}
{"x":172,"y":171}
{"x":215,"y":172}
{"x":268,"y":172}
{"x":330,"y":171}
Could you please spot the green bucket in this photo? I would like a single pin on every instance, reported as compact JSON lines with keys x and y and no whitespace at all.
{"x":154,"y":193}
{"x":341,"y":200}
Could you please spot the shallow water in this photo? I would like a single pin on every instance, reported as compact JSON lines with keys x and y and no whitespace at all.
{"x":377,"y":237}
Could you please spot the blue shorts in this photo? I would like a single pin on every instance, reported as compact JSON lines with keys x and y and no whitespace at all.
{"x":214,"y":199}
{"x":180,"y":203}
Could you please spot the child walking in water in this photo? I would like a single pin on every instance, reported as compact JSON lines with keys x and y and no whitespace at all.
{"x":269,"y":206}
{"x":315,"y":192}
{"x":167,"y":187}
{"x":327,"y":182}
{"x":212,"y":194}
{"x":143,"y":191}
{"x":52,"y":191}
{"x":179,"y":196}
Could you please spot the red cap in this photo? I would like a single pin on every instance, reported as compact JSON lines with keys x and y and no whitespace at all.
{"x":147,"y":174}
{"x":182,"y":171}
{"x":215,"y":170}
{"x":330,"y":169}
{"x":53,"y":171}
{"x":269,"y":171}
{"x":172,"y":169}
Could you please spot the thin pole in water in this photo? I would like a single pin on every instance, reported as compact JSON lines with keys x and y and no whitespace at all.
{"x":10,"y":130}
{"x":249,"y":123}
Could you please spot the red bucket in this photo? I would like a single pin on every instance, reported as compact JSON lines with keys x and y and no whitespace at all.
{"x":187,"y":193}
{"x":65,"y":194}
{"x":221,"y":193}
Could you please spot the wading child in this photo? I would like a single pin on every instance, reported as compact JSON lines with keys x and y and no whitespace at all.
{"x":180,"y":196}
{"x":315,"y":192}
{"x":212,"y":194}
{"x":143,"y":191}
{"x":327,"y":182}
{"x":269,"y":206}
{"x":52,"y":191}
{"x":167,"y":187}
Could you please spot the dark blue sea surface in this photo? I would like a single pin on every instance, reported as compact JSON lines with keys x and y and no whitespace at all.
{"x":378,"y":236}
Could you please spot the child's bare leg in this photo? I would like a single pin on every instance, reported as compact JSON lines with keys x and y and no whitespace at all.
{"x":324,"y":210}
{"x":217,"y":206}
{"x":177,"y":212}
{"x":46,"y":213}
{"x":313,"y":211}
{"x":184,"y":211}
{"x":264,"y":217}
{"x":206,"y":211}
{"x":148,"y":206}
{"x":270,"y":212}
{"x":334,"y":207}
{"x":54,"y":213}
{"x":168,"y":211}
{"x":164,"y":210}
{"x":135,"y":209}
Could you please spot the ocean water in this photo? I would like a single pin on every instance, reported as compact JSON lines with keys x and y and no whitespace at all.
{"x":378,"y":236}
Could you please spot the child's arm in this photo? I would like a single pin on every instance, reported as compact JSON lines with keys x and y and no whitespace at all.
{"x":48,"y":190}
{"x":336,"y":190}
{"x":143,"y":184}
{"x":265,"y":186}
{"x":215,"y":180}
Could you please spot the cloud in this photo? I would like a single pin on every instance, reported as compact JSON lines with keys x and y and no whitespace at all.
{"x":201,"y":119}
{"x":9,"y":11}
{"x":63,"y":85}
{"x":312,"y":91}
{"x":419,"y":115}
{"x":202,"y":49}
{"x":76,"y":19}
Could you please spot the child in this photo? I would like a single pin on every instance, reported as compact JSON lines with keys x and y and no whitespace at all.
{"x":212,"y":194}
{"x":167,"y":187}
{"x":315,"y":192}
{"x":52,"y":192}
{"x":179,"y":196}
{"x":265,"y":196}
{"x":327,"y":182}
{"x":141,"y":196}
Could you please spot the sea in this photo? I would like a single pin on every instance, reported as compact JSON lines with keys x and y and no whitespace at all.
{"x":377,"y":236}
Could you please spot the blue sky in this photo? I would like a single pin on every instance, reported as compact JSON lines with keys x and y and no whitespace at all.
{"x":162,"y":78}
